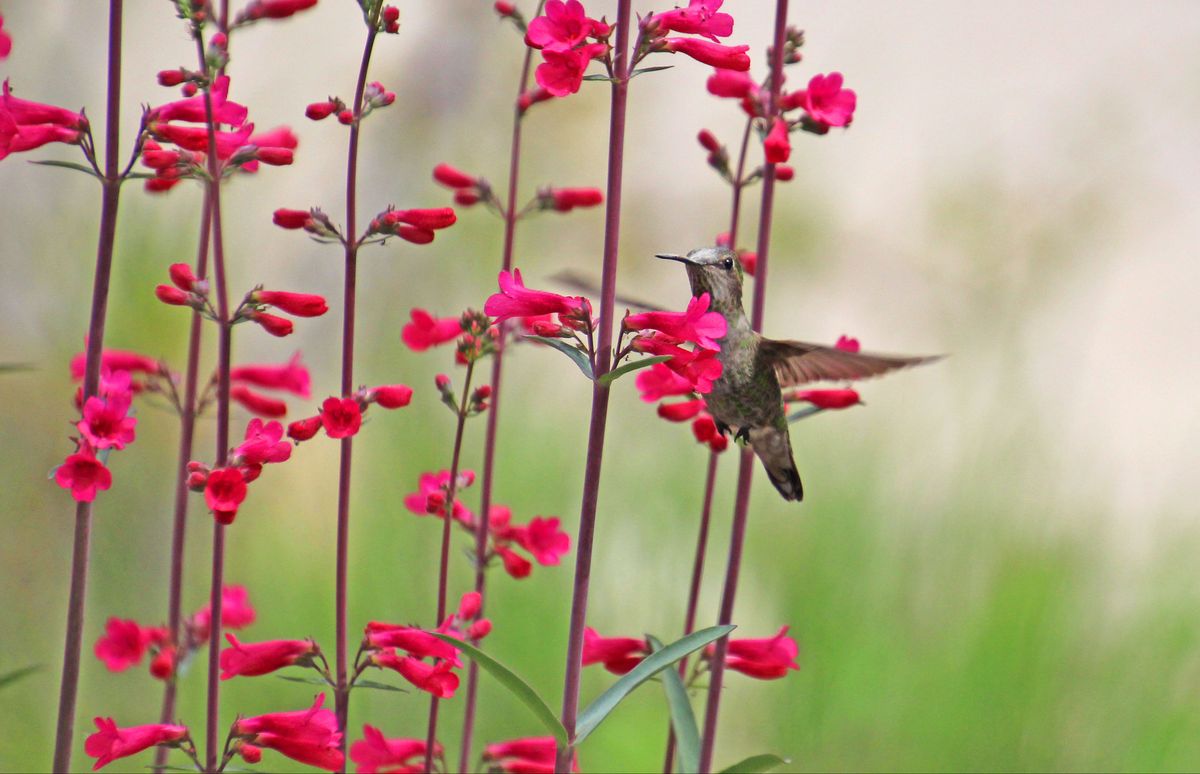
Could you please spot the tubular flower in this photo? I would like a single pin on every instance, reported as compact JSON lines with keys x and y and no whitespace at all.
{"x":562,"y":71}
{"x":427,"y":331}
{"x":5,"y":41}
{"x":562,"y":26}
{"x":83,"y":474}
{"x":453,"y":178}
{"x":224,"y":492}
{"x":736,"y":84}
{"x":697,"y":324}
{"x":263,"y":444}
{"x":162,"y":666}
{"x":515,"y":300}
{"x":292,"y":219}
{"x":304,"y":429}
{"x":193,"y":109}
{"x":826,"y":102}
{"x":767,"y":658}
{"x":341,"y":417}
{"x":617,"y":654}
{"x":514,"y":564}
{"x":392,"y":396}
{"x":542,"y":538}
{"x":699,"y":18}
{"x":681,"y":412}
{"x":567,"y":199}
{"x":110,"y":743}
{"x":437,"y":679}
{"x":375,"y":753}
{"x":827,"y":399}
{"x":310,"y":736}
{"x":658,"y":381}
{"x":529,"y":754}
{"x":236,"y":612}
{"x":114,"y":360}
{"x":715,"y":54}
{"x":704,"y":428}
{"x":430,"y":497}
{"x":26,"y":125}
{"x":292,"y":376}
{"x":418,"y":643}
{"x":106,"y":423}
{"x":429,"y":219}
{"x":299,"y":304}
{"x":273,"y":323}
{"x":275,"y":9}
{"x":322,"y":755}
{"x":776,"y":147}
{"x":260,"y":658}
{"x":257,"y":403}
{"x":124,"y":644}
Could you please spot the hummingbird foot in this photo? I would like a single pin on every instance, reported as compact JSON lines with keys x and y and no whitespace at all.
{"x":722,"y":428}
{"x":742,"y":435}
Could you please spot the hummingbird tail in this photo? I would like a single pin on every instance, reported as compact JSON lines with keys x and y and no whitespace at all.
{"x":774,"y":448}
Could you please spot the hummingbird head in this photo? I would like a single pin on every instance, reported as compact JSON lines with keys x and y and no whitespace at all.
{"x":716,"y":271}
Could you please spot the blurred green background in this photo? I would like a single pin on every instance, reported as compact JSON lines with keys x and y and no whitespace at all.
{"x":994,"y":567}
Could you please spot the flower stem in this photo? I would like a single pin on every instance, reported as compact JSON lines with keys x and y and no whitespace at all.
{"x":746,"y":463}
{"x":187,"y":427}
{"x":444,"y":567}
{"x":348,"y":311}
{"x":599,"y":418}
{"x":110,"y":197}
{"x":710,"y":479}
{"x":493,"y":420}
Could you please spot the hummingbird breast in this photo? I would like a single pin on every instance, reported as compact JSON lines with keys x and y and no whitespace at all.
{"x":747,"y":394}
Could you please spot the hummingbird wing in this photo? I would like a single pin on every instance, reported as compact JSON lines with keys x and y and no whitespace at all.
{"x":581,"y":283}
{"x":798,"y":362}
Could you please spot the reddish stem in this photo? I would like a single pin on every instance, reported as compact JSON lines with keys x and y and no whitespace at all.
{"x":489,"y":444}
{"x":81,"y":548}
{"x":746,"y":463}
{"x":444,"y":566}
{"x":348,"y":311}
{"x":600,"y":392}
{"x":187,"y":427}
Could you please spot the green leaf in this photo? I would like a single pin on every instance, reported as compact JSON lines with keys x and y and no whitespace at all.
{"x":641,"y":70}
{"x":683,"y":720}
{"x":9,"y":368}
{"x":67,"y":165}
{"x":8,"y":678}
{"x":756,"y":763}
{"x":808,"y":411}
{"x":509,"y":679}
{"x":378,"y":686}
{"x":306,"y":680}
{"x":570,"y":351}
{"x":596,"y":77}
{"x":645,"y":362}
{"x":598,"y":710}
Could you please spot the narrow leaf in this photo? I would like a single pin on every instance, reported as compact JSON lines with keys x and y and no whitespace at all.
{"x":305,"y":680}
{"x":378,"y":686}
{"x":596,"y":77}
{"x":645,"y":362}
{"x":66,"y":165}
{"x":8,"y":678}
{"x":756,"y":763}
{"x":683,"y":719}
{"x":570,"y":351}
{"x":598,"y":710}
{"x":641,"y":70}
{"x":518,"y":687}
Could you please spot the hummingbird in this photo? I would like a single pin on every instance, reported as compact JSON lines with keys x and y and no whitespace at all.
{"x":747,"y":399}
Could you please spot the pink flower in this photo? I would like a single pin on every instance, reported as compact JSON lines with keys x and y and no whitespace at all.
{"x":114,"y":360}
{"x":260,"y":658}
{"x":528,"y":99}
{"x":437,"y":679}
{"x":299,"y":304}
{"x":195,"y":138}
{"x":469,"y":605}
{"x":224,"y":492}
{"x":427,"y":331}
{"x":182,"y":276}
{"x":162,"y":666}
{"x":5,"y":41}
{"x":563,"y":26}
{"x":110,"y":742}
{"x":341,"y":417}
{"x":304,"y":429}
{"x":699,"y":18}
{"x":431,"y":490}
{"x":374,"y":753}
{"x":291,"y":376}
{"x":26,"y":125}
{"x":263,"y":444}
{"x":704,"y":428}
{"x":514,"y":564}
{"x":562,"y":71}
{"x":322,"y":755}
{"x":847,"y":344}
{"x":826,"y":102}
{"x":453,"y":178}
{"x":26,"y":113}
{"x":618,"y":654}
{"x":316,"y":724}
{"x":731,"y":83}
{"x":515,"y":300}
{"x":193,"y":109}
{"x":429,"y":219}
{"x":542,"y":538}
{"x":776,"y":146}
{"x":279,"y":138}
{"x":83,"y":474}
{"x":696,"y":324}
{"x":275,"y":9}
{"x":106,"y":423}
{"x":172,"y":295}
{"x":318,"y":111}
{"x":418,"y":643}
{"x":681,"y":412}
{"x":236,"y":612}
{"x":392,"y":396}
{"x":784,"y":173}
{"x":529,"y":754}
{"x":567,"y":199}
{"x":123,"y":644}
{"x":766,"y":658}
{"x":658,"y":381}
{"x":827,"y":399}
{"x":715,"y":54}
{"x":273,"y":323}
{"x":256,"y":402}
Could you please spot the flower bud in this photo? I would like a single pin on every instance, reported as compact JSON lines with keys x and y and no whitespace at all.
{"x":530,"y":98}
{"x":197,"y":480}
{"x":784,"y":173}
{"x":346,"y":117}
{"x":189,"y":89}
{"x":391,"y":19}
{"x":465,"y":197}
{"x":303,"y":429}
{"x":392,"y":396}
{"x":276,"y":157}
{"x":414,"y":234}
{"x":285,"y":218}
{"x":273,"y":324}
{"x":453,"y":178}
{"x":250,"y":753}
{"x":172,"y":295}
{"x":164,"y":663}
{"x":504,"y":8}
{"x":318,"y":111}
{"x":376,"y":96}
{"x":171,"y":77}
{"x":442,"y":381}
{"x":434,"y":502}
{"x":479,"y":629}
{"x":708,"y":141}
{"x":182,"y":276}
{"x":550,"y":330}
{"x":299,"y":304}
{"x":470,"y":605}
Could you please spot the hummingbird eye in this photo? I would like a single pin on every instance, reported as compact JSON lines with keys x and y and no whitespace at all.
{"x":728,"y":264}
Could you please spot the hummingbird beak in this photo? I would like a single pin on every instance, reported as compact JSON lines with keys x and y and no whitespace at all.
{"x":669,"y":257}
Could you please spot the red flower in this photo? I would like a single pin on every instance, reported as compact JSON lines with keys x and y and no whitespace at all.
{"x":479,"y":629}
{"x":257,"y":403}
{"x":567,"y":199}
{"x":766,"y":658}
{"x":470,"y":605}
{"x":453,"y":178}
{"x":414,"y":234}
{"x":162,"y":666}
{"x":236,"y":612}
{"x":699,"y":18}
{"x":681,"y":412}
{"x":285,"y":218}
{"x":515,"y":300}
{"x":529,"y":754}
{"x":437,"y":679}
{"x":273,"y":324}
{"x":715,"y":54}
{"x":826,"y":102}
{"x":776,"y":146}
{"x":563,"y":26}
{"x":106,"y":423}
{"x":316,"y":724}
{"x":827,"y":399}
{"x":83,"y":474}
{"x":731,"y":83}
{"x":562,"y":71}
{"x":291,"y":376}
{"x":260,"y":658}
{"x":299,"y":304}
{"x":263,"y":444}
{"x":696,"y":324}
{"x":110,"y":742}
{"x":847,"y":344}
{"x":322,"y":755}
{"x":182,"y":276}
{"x":418,"y":643}
{"x":276,"y":157}
{"x":193,"y":109}
{"x":26,"y":125}
{"x":658,"y":381}
{"x":321,"y":110}
{"x":123,"y":644}
{"x":705,"y":430}
{"x":428,"y":219}
{"x":431,"y":489}
{"x":303,"y":429}
{"x":427,"y":331}
{"x":224,"y":492}
{"x":195,"y":138}
{"x":784,"y":173}
{"x":514,"y":564}
{"x":542,"y":538}
{"x":5,"y":41}
{"x":749,"y":261}
{"x":114,"y":360}
{"x":172,"y":295}
{"x":341,"y":417}
{"x":528,"y":99}
{"x":618,"y":654}
{"x":392,"y":396}
{"x":375,"y":753}
{"x":275,"y":9}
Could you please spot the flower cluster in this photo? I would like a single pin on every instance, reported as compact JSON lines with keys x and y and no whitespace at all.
{"x":383,"y":643}
{"x":467,"y":188}
{"x":290,"y":377}
{"x":686,"y":371}
{"x":568,"y":40}
{"x":105,"y":424}
{"x":225,"y":487}
{"x":126,"y":642}
{"x":343,"y":417}
{"x":702,"y":18}
{"x":375,"y":96}
{"x":309,"y":736}
{"x":766,"y":658}
{"x":26,"y":125}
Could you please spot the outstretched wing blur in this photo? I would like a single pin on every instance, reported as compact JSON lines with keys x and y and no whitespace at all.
{"x":798,"y":362}
{"x":586,"y":286}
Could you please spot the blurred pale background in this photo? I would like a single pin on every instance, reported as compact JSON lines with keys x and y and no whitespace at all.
{"x":995,"y":565}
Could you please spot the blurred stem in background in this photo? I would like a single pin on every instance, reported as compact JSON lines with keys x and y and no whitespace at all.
{"x":710,"y":480}
{"x":599,"y":415}
{"x":489,"y":444}
{"x":350,"y":240}
{"x":746,"y":461}
{"x":110,"y":197}
{"x":187,"y":427}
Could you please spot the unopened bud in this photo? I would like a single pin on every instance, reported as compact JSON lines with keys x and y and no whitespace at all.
{"x":346,"y":117}
{"x":480,"y":629}
{"x":172,"y":295}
